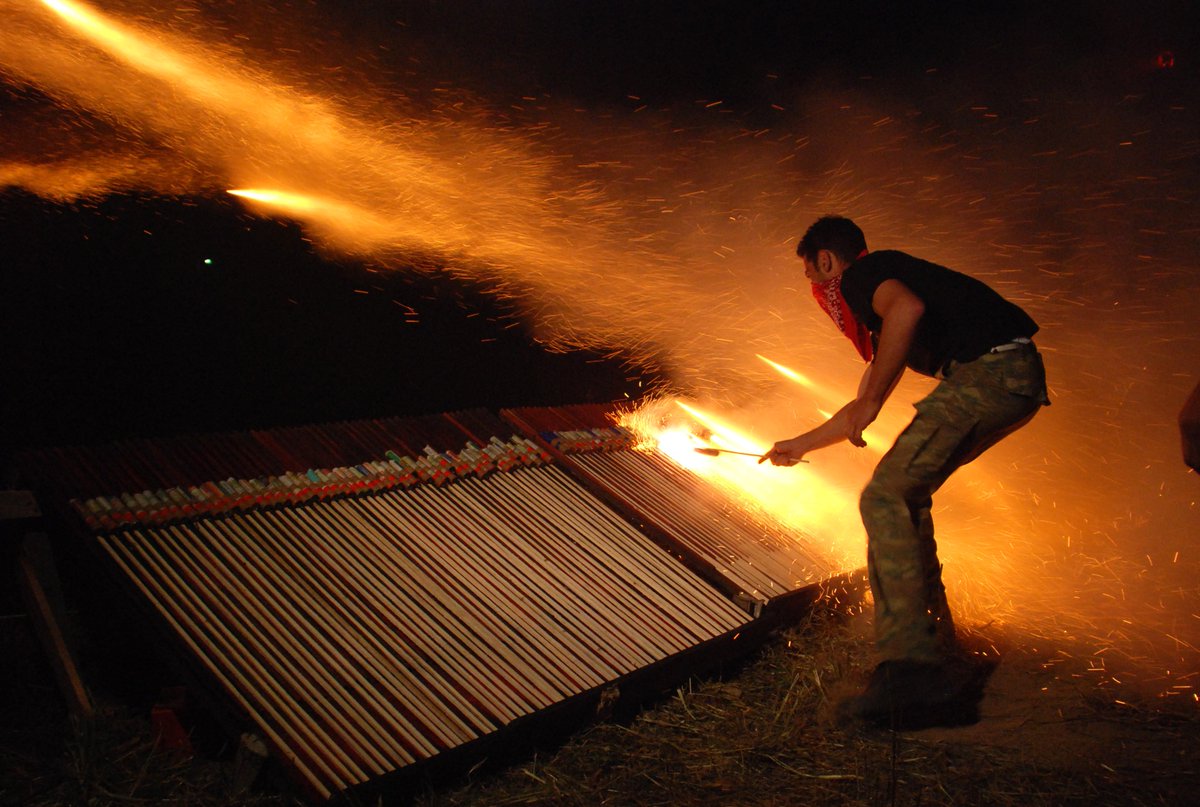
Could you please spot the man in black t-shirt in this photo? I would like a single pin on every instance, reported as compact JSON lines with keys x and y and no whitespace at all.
{"x":902,"y":311}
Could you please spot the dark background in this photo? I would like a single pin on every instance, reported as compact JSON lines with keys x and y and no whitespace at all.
{"x":115,"y":324}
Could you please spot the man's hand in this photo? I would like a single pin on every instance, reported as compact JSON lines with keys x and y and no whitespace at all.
{"x":786,"y":452}
{"x":860,"y":414}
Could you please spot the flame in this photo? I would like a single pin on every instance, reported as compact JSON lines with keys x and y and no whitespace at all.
{"x":789,"y":373}
{"x":336,"y":217}
{"x":195,"y":75}
{"x":125,"y":44}
{"x":814,"y":505}
{"x":292,"y":202}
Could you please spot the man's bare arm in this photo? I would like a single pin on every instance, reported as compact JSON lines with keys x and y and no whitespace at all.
{"x":901,"y":312}
{"x":834,"y":430}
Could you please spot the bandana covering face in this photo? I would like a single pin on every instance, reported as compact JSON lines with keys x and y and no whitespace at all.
{"x":829,"y":297}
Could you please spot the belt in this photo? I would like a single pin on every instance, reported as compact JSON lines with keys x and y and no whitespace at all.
{"x":1012,"y":344}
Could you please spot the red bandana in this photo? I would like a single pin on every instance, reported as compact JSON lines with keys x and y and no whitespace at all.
{"x":829,"y":297}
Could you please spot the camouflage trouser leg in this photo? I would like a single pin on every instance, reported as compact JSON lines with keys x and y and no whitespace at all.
{"x":977,"y":404}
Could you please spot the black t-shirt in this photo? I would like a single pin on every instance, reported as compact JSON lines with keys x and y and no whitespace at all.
{"x":964,"y":318}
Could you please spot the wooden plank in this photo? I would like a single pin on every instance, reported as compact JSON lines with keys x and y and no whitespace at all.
{"x":44,"y":604}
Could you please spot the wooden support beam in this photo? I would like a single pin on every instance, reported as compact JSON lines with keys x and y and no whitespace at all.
{"x":44,"y":603}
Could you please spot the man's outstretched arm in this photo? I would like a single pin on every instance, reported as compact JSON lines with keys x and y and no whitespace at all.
{"x":832,"y":431}
{"x":901,"y":312}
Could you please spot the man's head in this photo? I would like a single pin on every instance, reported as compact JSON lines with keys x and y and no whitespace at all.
{"x":830,"y":245}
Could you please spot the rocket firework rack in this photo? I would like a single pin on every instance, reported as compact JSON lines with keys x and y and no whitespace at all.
{"x":744,"y":554}
{"x":378,"y":620}
{"x":293,"y":488}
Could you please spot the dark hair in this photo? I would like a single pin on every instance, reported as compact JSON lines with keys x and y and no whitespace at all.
{"x":837,"y":234}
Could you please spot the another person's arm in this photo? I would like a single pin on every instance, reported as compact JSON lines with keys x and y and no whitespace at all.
{"x":1189,"y":429}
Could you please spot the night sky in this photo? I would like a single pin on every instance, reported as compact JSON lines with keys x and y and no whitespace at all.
{"x":136,"y":315}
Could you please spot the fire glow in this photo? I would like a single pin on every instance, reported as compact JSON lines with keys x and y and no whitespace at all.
{"x":799,"y":498}
{"x":671,"y":244}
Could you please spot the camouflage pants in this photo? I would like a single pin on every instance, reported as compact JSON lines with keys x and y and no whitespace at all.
{"x":977,"y":404}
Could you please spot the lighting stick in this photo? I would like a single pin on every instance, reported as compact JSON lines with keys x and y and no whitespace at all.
{"x":661,"y":504}
{"x":655,"y":485}
{"x":716,"y":452}
{"x":776,"y":557}
{"x":789,"y":546}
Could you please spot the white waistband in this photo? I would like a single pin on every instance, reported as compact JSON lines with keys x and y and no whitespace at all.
{"x":1012,"y":344}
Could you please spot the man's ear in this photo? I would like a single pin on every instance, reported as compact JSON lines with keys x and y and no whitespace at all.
{"x":824,"y":260}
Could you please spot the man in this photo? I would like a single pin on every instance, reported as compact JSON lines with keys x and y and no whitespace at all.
{"x":901,"y":311}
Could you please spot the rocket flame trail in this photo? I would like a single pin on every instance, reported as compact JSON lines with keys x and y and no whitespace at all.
{"x":788,"y":372}
{"x":292,"y":202}
{"x":124,"y":44}
{"x":667,"y":238}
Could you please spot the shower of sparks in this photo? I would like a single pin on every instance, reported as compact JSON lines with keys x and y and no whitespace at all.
{"x":670,"y":243}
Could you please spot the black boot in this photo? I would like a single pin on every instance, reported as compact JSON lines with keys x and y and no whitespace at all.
{"x":905,"y":695}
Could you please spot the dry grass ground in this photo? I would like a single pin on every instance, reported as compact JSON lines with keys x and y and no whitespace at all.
{"x":766,"y":737}
{"x":762,"y":735}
